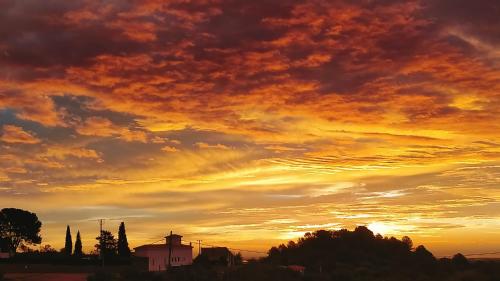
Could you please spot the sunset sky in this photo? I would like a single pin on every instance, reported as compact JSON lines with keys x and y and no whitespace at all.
{"x":249,"y":123}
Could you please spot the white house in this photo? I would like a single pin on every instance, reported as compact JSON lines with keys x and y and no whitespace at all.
{"x":159,"y":255}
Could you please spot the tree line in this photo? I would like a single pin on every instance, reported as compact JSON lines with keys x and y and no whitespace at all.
{"x":361,"y":255}
{"x":341,"y":255}
{"x":20,"y":229}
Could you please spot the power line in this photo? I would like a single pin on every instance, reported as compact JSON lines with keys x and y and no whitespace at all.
{"x":163,"y":238}
{"x":482,"y":254}
{"x":234,"y":249}
{"x":475,"y":254}
{"x":199,"y":243}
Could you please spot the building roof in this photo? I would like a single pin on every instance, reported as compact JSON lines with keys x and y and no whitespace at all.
{"x":216,"y":252}
{"x":160,"y":246}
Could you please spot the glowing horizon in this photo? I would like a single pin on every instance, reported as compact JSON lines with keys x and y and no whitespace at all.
{"x":248,"y":123}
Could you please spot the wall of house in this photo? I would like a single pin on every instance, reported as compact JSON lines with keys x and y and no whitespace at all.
{"x":158,"y":258}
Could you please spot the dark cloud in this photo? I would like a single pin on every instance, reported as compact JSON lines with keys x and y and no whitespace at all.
{"x":75,"y":109}
{"x":478,"y":18}
{"x":35,"y":34}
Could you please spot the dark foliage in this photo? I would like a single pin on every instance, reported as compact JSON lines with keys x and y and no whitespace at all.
{"x":261,"y":272}
{"x":323,"y":250}
{"x":193,"y":273}
{"x":238,"y":259}
{"x":202,"y":260}
{"x":68,"y":245}
{"x":134,"y":275}
{"x":123,"y":249}
{"x":4,"y":245}
{"x":78,"y":245}
{"x":107,"y":245}
{"x":19,"y":226}
{"x":189,"y":273}
{"x":102,"y":276}
{"x":460,"y":262}
{"x":359,"y":255}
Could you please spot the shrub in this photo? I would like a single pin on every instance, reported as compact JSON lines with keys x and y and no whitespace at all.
{"x":101,"y":276}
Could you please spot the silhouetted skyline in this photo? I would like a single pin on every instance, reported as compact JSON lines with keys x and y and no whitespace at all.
{"x":250,"y":123}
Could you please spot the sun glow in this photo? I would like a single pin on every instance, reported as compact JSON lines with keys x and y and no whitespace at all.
{"x":380,"y":228}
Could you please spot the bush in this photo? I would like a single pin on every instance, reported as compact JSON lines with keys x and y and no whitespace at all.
{"x":262,"y":272}
{"x":101,"y":276}
{"x":134,"y":275}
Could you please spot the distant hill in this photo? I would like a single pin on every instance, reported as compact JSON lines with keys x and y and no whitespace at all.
{"x":361,"y":255}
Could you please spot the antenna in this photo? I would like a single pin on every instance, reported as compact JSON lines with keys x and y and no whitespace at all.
{"x":169,"y":249}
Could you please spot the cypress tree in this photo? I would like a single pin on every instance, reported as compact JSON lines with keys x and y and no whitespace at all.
{"x":78,"y":245}
{"x":123,"y":249}
{"x":68,"y":246}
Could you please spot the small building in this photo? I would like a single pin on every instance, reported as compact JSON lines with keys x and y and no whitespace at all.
{"x":172,"y":253}
{"x":297,"y":268}
{"x":219,"y":255}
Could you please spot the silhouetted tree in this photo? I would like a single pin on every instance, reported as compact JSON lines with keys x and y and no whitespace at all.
{"x":238,"y":259}
{"x":106,"y":245}
{"x":68,"y":245}
{"x":123,"y":249}
{"x":202,"y":260}
{"x":423,"y":254}
{"x":78,"y":245}
{"x":424,"y":259}
{"x":408,"y":242}
{"x":19,"y":226}
{"x":459,"y":261}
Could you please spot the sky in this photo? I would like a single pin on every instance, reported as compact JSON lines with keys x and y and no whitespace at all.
{"x":250,"y":123}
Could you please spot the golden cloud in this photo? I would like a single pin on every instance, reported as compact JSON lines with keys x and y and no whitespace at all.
{"x":14,"y":134}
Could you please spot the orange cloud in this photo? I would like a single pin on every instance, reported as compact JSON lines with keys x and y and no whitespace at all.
{"x":169,"y":149}
{"x":102,"y":127}
{"x":204,"y":145}
{"x":15,"y":134}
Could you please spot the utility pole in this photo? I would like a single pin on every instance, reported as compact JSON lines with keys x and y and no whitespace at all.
{"x":199,"y":247}
{"x":170,"y":249}
{"x":100,"y":242}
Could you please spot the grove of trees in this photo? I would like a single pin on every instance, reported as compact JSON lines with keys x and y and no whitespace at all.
{"x":110,"y":247}
{"x":360,"y":255}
